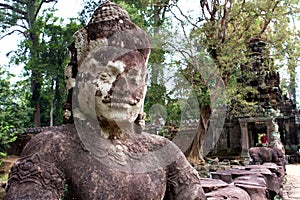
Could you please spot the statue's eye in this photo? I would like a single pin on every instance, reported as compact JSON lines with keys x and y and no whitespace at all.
{"x":104,"y":76}
{"x":112,"y":71}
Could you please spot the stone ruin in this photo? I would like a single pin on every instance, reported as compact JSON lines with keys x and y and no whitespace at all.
{"x":243,"y":132}
{"x":262,"y":173}
{"x":261,"y":179}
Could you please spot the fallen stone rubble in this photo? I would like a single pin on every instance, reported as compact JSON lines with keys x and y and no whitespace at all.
{"x":254,"y":182}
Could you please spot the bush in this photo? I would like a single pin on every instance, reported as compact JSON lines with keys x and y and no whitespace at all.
{"x":5,"y":138}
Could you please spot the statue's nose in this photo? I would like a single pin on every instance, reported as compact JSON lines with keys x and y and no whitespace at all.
{"x":120,"y":87}
{"x":122,"y":83}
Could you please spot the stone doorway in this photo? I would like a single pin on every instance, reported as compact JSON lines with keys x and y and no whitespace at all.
{"x":256,"y":131}
{"x":250,"y":127}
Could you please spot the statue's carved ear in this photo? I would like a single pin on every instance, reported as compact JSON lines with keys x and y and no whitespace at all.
{"x":81,"y":43}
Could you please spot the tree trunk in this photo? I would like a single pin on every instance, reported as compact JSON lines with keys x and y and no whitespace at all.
{"x":36,"y":76}
{"x":195,"y":152}
{"x":52,"y":111}
{"x":292,"y":86}
{"x":36,"y":98}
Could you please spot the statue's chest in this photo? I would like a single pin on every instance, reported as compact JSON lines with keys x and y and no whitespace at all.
{"x":91,"y":179}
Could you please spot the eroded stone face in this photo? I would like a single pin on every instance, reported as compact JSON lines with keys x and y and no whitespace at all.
{"x":118,"y":84}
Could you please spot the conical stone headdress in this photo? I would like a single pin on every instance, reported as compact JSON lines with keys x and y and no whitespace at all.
{"x":108,"y":11}
{"x":109,"y":27}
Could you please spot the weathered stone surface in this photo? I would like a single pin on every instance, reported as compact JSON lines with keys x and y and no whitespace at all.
{"x":294,"y":194}
{"x":210,"y":185}
{"x":260,"y":181}
{"x":260,"y":155}
{"x":230,"y":192}
{"x":230,"y":174}
{"x":271,"y":158}
{"x":254,"y":185}
{"x":273,"y":174}
{"x":56,"y":158}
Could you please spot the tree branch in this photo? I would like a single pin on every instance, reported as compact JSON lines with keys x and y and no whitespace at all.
{"x":191,"y":60}
{"x":49,"y":1}
{"x":203,"y":5}
{"x":182,"y":14}
{"x":21,"y":26}
{"x":164,"y":12}
{"x":19,"y":17}
{"x":14,"y":9}
{"x":10,"y":33}
{"x":267,"y":22}
{"x":40,"y":6}
{"x":19,"y":1}
{"x":38,"y":9}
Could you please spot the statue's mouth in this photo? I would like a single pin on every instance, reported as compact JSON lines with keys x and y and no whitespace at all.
{"x":108,"y":99}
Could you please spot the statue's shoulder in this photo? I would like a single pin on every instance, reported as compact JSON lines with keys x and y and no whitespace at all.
{"x":157,"y":142}
{"x":154,"y":140}
{"x":53,"y":137}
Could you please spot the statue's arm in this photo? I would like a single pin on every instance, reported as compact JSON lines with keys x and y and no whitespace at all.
{"x":183,"y":181}
{"x":35,"y":175}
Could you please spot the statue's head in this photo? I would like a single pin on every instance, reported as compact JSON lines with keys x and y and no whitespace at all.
{"x":107,"y":72}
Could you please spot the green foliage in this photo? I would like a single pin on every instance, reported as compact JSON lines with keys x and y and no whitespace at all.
{"x":219,"y":37}
{"x":5,"y":138}
{"x":167,"y":132}
{"x":17,"y":17}
{"x":54,"y":57}
{"x":225,"y":28}
{"x":14,"y":111}
{"x":42,"y":51}
{"x":174,"y":111}
{"x":156,"y":95}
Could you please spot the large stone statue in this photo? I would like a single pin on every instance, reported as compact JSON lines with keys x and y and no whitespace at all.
{"x":101,"y":151}
{"x":260,"y":155}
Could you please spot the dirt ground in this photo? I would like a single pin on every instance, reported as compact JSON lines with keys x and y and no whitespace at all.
{"x":291,"y":189}
{"x":7,"y":163}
